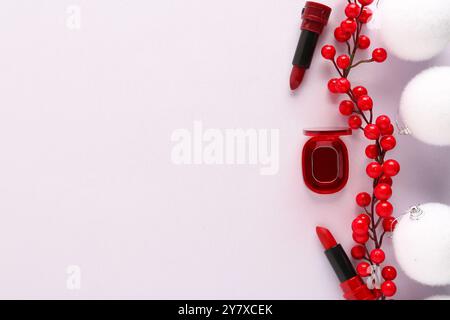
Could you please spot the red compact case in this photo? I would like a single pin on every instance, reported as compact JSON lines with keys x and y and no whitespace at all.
{"x":325,"y":160}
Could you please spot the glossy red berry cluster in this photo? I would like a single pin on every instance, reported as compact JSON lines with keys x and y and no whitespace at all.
{"x":376,"y":220}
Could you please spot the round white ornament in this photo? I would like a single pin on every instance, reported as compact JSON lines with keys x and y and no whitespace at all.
{"x":422,"y":244}
{"x":425,"y":106}
{"x":415,"y":30}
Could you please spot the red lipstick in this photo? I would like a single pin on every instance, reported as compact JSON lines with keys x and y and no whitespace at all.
{"x":315,"y":17}
{"x":297,"y":75}
{"x":351,"y":284}
{"x":326,"y":238}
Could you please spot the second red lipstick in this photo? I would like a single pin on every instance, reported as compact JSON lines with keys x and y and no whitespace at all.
{"x":351,"y":284}
{"x":315,"y":16}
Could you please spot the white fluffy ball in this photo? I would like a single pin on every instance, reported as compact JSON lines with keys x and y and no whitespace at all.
{"x":422,"y":244}
{"x":415,"y":29}
{"x":425,"y":106}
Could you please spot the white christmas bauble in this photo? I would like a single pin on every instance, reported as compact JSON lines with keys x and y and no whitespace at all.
{"x":415,"y":30}
{"x":438,"y":298}
{"x":425,"y":106}
{"x":422,"y":244}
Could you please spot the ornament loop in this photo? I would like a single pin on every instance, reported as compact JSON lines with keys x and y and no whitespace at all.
{"x":415,"y":213}
{"x":402,"y":128}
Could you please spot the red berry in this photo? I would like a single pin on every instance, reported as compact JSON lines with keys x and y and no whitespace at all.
{"x":388,"y":131}
{"x":385,"y":179}
{"x":377,"y":256}
{"x":366,"y":15}
{"x":364,"y":217}
{"x":388,"y":288}
{"x":360,"y":238}
{"x":383,"y":122}
{"x":384,"y":209}
{"x":371,"y":132}
{"x":343,"y":61}
{"x":363,"y":42}
{"x":360,"y":227}
{"x":332,"y":86}
{"x":328,"y":52}
{"x":365,"y":2}
{"x":341,"y":35}
{"x":379,"y":55}
{"x":354,"y":122}
{"x":383,"y":191}
{"x":365,"y":103}
{"x":343,"y":85}
{"x":391,"y":167}
{"x":358,"y":252}
{"x":352,"y":10}
{"x":359,"y":91}
{"x":363,"y":269}
{"x":349,"y":26}
{"x":346,"y":107}
{"x":374,"y":170}
{"x":389,"y":224}
{"x":388,"y":143}
{"x":363,"y":199}
{"x":372,"y":151}
{"x":388,"y":273}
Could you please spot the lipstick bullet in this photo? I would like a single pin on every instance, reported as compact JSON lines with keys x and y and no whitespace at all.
{"x":315,"y":17}
{"x":351,"y":284}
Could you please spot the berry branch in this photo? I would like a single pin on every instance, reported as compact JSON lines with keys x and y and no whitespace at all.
{"x":376,"y":220}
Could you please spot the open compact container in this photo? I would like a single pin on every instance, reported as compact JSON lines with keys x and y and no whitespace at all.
{"x":325,"y":160}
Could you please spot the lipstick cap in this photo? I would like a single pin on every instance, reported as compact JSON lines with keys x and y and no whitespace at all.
{"x":315,"y":16}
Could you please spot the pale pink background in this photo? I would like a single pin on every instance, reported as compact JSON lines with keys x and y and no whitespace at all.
{"x":85,"y":171}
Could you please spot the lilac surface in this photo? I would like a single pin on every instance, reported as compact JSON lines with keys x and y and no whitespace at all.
{"x":85,"y":172}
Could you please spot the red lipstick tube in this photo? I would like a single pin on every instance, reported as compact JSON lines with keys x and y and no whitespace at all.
{"x":351,"y":284}
{"x":315,"y":16}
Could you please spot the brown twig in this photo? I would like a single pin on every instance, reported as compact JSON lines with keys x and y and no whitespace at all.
{"x":374,"y":225}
